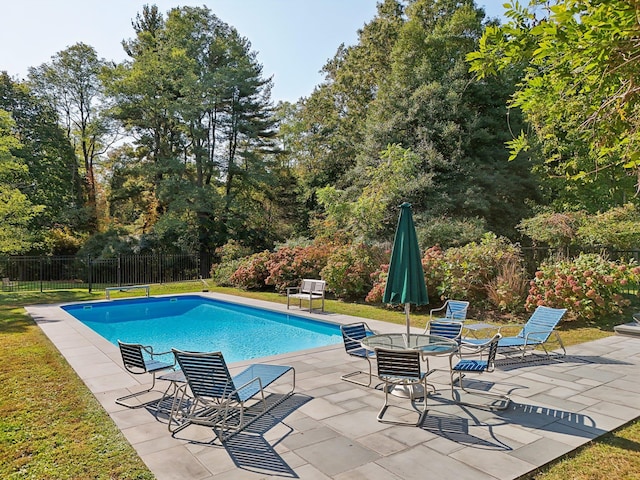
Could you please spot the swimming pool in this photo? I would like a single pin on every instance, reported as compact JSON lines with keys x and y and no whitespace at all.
{"x":196,"y":323}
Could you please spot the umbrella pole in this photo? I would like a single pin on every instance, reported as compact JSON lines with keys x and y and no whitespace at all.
{"x":407,"y":309}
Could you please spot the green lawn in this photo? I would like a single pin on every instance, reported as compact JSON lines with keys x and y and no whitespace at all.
{"x":51,"y":427}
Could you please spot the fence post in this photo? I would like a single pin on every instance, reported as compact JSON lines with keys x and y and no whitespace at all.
{"x":41,"y":273}
{"x":89,"y":271}
{"x":119,"y":270}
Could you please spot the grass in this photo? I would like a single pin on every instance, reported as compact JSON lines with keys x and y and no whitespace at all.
{"x":51,"y":426}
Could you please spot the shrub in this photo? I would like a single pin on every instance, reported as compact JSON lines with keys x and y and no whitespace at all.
{"x":450,"y":232}
{"x":221,"y":272}
{"x":587,"y":286}
{"x":232,"y":250}
{"x":463,"y":272}
{"x":349,"y":268}
{"x":379,"y":280}
{"x":251,"y":272}
{"x":288,"y":265}
{"x":508,"y":290}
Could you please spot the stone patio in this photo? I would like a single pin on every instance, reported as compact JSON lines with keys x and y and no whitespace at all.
{"x":328,"y":428}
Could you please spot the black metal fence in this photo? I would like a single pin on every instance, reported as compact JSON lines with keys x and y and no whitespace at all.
{"x":24,"y":273}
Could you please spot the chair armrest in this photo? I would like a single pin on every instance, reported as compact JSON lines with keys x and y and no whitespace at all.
{"x":437,"y":309}
{"x":291,"y":290}
{"x":511,"y":325}
{"x":152,"y":354}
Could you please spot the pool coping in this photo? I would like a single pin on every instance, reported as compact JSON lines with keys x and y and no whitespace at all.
{"x":330,"y":430}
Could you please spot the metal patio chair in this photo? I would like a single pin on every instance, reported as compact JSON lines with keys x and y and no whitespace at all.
{"x":401,"y":368}
{"x":352,"y":334}
{"x":139,"y":359}
{"x":214,"y":398}
{"x":535,"y":333}
{"x":477,"y":365}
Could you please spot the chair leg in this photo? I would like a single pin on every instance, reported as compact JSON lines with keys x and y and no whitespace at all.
{"x":120,"y":401}
{"x":504,"y":399}
{"x":386,"y":405}
{"x":347,"y":376}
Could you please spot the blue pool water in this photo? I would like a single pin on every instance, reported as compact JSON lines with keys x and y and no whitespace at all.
{"x":195,"y":323}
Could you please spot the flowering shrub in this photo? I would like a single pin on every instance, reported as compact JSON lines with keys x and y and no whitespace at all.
{"x":587,"y":286}
{"x":464,"y":272}
{"x":288,"y":265}
{"x":251,"y":272}
{"x":349,"y":268}
{"x":379,"y":279}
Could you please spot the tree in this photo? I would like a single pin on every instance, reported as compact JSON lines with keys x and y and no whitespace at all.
{"x":578,"y":91}
{"x":16,"y":211}
{"x":454,"y":124}
{"x":193,"y":96}
{"x":72,"y":86}
{"x":52,"y":179}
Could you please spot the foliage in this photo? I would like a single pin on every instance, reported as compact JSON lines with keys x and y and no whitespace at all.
{"x":51,"y":178}
{"x":508,"y":290}
{"x":588,"y":286}
{"x":578,"y":90}
{"x":16,"y":211}
{"x":464,"y":272}
{"x":222,"y":272}
{"x":450,"y":232}
{"x":232,"y":250}
{"x":251,"y":272}
{"x":379,"y":279}
{"x":349,"y":269}
{"x":193,"y":97}
{"x":288,"y":265}
{"x":556,"y":229}
{"x":71,"y":85}
{"x":108,"y":244}
{"x":618,"y":228}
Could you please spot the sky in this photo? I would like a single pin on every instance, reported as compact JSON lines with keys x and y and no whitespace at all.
{"x":293,"y":38}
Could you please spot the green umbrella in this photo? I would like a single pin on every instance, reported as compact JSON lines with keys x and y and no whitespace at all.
{"x":405,"y":282}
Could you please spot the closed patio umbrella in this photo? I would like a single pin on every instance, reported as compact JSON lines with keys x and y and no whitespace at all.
{"x":405,"y":282}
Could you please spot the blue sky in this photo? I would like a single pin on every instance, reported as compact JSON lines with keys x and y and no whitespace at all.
{"x":293,"y":38}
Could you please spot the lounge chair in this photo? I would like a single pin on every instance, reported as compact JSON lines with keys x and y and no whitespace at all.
{"x":352,"y":334}
{"x":308,"y":290}
{"x":214,"y":398}
{"x":535,"y":333}
{"x":477,"y":365}
{"x":139,"y":359}
{"x":401,"y":368}
{"x":453,"y":310}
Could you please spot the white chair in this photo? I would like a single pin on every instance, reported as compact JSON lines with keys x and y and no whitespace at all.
{"x":309,"y":290}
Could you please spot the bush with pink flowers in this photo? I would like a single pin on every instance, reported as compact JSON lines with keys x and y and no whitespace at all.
{"x":588,"y":286}
{"x":288,"y":265}
{"x":252,"y":272}
{"x":464,"y":272}
{"x":379,"y":280}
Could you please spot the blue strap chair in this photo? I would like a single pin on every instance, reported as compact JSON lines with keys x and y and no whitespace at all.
{"x":478,"y":364}
{"x":535,"y":333}
{"x":453,"y":310}
{"x":352,"y":334}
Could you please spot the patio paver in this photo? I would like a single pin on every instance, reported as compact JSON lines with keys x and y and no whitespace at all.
{"x":328,"y":428}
